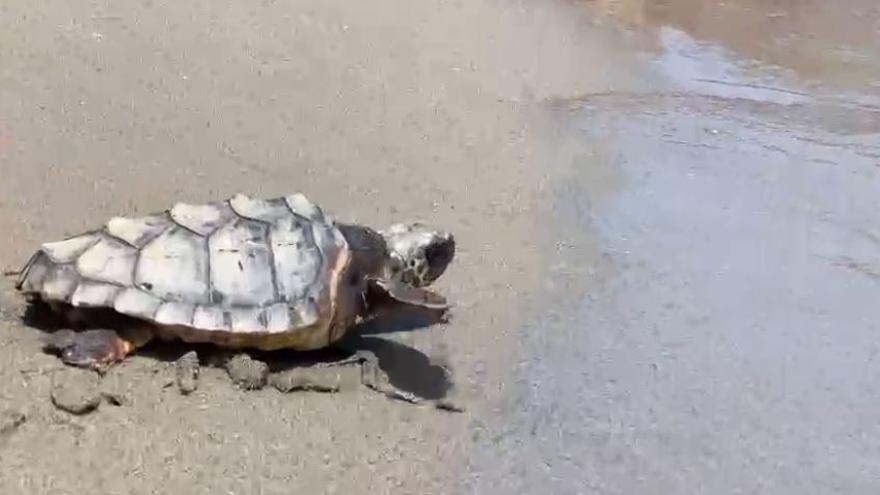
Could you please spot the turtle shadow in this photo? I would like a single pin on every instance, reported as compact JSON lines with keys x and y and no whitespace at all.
{"x":397,"y":318}
{"x":40,"y":316}
{"x":407,"y":368}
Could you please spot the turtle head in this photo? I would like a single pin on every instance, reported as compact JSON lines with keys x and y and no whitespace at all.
{"x":418,"y":254}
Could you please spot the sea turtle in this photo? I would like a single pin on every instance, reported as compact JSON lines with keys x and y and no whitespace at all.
{"x":264,"y":274}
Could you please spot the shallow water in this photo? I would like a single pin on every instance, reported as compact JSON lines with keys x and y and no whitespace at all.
{"x":709,"y":324}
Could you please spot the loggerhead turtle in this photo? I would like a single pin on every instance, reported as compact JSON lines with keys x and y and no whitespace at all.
{"x":265,"y":274}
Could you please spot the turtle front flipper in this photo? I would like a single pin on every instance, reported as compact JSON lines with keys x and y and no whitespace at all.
{"x":96,"y":349}
{"x":376,"y":379}
{"x":406,"y":294}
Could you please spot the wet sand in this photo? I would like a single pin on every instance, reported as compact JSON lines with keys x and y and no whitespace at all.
{"x":667,"y":247}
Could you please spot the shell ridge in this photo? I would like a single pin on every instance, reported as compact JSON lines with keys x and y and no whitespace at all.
{"x":246,"y":217}
{"x":106,"y":232}
{"x":106,"y":259}
{"x":104,"y":262}
{"x":82,"y":234}
{"x":134,"y":267}
{"x":299,"y":216}
{"x":202,"y":218}
{"x":78,"y":298}
{"x":182,"y":226}
{"x":242,"y":216}
{"x":146,"y":240}
{"x":322,"y":257}
{"x":97,"y":238}
{"x":209,"y":280}
{"x":276,"y":291}
{"x":96,"y":281}
{"x":235,"y":212}
{"x":212,"y":290}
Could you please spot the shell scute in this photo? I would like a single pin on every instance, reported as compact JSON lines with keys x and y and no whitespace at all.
{"x":202,"y":219}
{"x":137,"y":231}
{"x":209,"y":317}
{"x":174,"y":267}
{"x":302,"y":206}
{"x":94,"y":295}
{"x":174,"y":313}
{"x":241,"y":265}
{"x":60,"y":282}
{"x":241,"y":272}
{"x":297,"y":257}
{"x":263,"y":210}
{"x":68,"y":250}
{"x":246,"y":320}
{"x":278,"y":318}
{"x":109,"y":261}
{"x":137,"y":303}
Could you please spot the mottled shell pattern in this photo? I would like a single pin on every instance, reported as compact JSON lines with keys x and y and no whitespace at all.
{"x":249,"y":272}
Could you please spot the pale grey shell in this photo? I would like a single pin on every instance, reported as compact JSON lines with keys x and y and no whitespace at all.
{"x":239,"y":266}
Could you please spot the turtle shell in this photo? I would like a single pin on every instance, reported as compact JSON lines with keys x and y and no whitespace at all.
{"x":262,"y":273}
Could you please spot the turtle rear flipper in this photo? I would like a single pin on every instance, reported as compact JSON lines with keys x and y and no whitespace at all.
{"x":97,"y":349}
